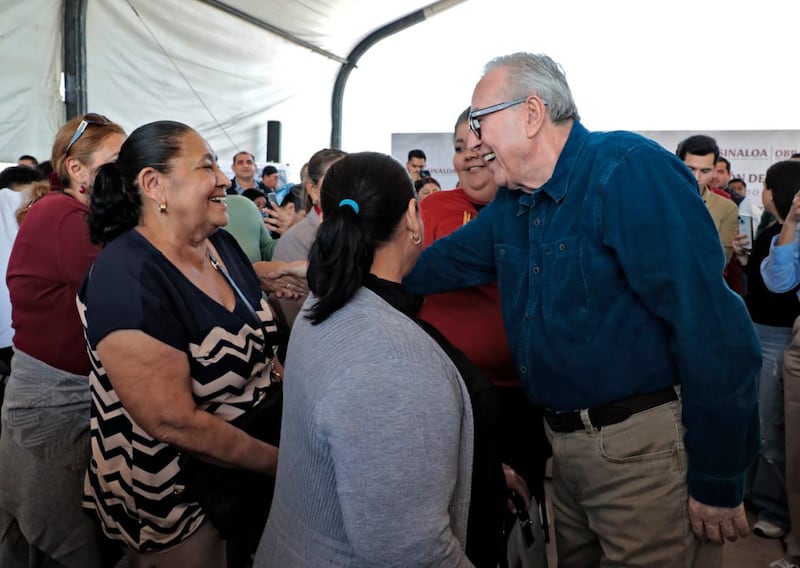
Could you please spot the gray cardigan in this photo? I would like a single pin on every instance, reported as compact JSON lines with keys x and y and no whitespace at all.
{"x":376,"y":448}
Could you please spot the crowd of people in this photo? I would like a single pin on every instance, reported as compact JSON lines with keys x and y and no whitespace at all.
{"x":433,"y":349}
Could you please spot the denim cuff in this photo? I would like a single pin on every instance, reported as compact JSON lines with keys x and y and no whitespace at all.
{"x":715,"y":491}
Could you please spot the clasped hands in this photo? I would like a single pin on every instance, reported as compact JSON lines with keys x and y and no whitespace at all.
{"x":286,"y":280}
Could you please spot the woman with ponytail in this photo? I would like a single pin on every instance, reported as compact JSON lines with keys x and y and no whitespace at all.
{"x":377,"y":436}
{"x":44,"y":447}
{"x":180,"y":341}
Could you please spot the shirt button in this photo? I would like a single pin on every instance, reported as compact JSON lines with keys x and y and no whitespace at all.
{"x":527,"y":317}
{"x":536,"y":270}
{"x":523,"y":369}
{"x":502,"y":252}
{"x":536,"y":221}
{"x":562,"y":247}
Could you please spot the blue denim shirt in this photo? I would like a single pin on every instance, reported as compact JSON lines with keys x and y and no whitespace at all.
{"x":781,"y":269}
{"x":610,"y":280}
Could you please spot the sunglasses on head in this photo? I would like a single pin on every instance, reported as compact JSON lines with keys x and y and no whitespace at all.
{"x":88,"y":119}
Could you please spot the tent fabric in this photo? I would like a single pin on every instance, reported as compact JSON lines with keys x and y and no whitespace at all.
{"x":185,"y":60}
{"x":31,"y":110}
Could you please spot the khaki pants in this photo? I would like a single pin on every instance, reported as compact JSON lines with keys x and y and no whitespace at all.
{"x":620,"y":496}
{"x":791,"y":407}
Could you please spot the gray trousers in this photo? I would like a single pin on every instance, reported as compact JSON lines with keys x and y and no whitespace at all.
{"x":44,"y":451}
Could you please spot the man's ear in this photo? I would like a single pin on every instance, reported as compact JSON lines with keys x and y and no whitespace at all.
{"x":536,"y":114}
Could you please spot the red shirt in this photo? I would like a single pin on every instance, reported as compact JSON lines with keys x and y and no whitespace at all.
{"x":50,"y":257}
{"x":721,"y":192}
{"x":471,"y":318}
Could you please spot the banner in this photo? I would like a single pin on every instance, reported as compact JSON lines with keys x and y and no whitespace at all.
{"x":438,"y":148}
{"x":750,"y":152}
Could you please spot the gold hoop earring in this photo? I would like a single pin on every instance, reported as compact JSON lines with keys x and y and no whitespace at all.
{"x":416,"y":239}
{"x":162,"y":208}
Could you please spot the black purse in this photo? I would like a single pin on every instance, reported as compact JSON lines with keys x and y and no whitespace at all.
{"x":237,"y":501}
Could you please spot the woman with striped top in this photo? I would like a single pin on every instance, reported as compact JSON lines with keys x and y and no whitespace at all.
{"x":176,"y":352}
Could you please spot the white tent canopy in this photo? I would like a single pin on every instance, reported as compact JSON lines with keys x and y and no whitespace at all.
{"x":189,"y":61}
{"x":678,"y":65}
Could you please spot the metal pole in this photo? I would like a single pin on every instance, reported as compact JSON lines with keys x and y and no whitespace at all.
{"x":361,"y":48}
{"x":74,"y":33}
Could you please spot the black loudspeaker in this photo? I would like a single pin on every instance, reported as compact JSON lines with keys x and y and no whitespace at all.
{"x":273,"y":141}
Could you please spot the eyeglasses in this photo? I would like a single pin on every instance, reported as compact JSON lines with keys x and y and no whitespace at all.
{"x":474,"y":115}
{"x":88,"y":119}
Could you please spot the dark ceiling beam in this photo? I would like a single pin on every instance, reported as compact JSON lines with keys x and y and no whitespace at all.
{"x":74,"y":28}
{"x":362,"y":47}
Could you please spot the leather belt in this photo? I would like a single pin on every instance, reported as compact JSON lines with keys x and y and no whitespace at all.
{"x":608,"y":414}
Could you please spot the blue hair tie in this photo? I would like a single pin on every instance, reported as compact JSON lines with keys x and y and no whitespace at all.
{"x":350,"y":203}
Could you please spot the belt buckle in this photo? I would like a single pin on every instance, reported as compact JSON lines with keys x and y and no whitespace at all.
{"x":558,"y":420}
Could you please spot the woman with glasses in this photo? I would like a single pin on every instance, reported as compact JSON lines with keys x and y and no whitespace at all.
{"x":376,"y":442}
{"x":44,"y":446}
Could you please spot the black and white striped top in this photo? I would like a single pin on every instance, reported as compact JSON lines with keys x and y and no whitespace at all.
{"x":133,"y":481}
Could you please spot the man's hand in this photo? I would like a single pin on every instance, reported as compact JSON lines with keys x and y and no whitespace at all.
{"x":284,"y":279}
{"x":717,"y":523}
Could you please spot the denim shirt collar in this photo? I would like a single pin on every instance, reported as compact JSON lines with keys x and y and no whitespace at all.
{"x":556,"y":186}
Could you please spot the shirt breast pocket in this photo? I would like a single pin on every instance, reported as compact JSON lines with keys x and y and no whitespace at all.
{"x":512,"y":276}
{"x":565,"y":289}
